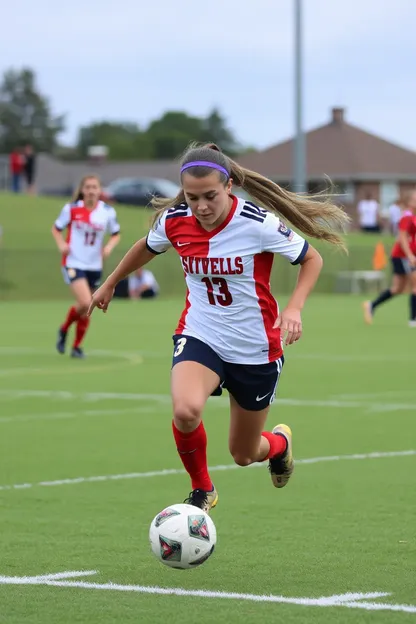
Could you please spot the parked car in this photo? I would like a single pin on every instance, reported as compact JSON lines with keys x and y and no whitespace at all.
{"x":138,"y":191}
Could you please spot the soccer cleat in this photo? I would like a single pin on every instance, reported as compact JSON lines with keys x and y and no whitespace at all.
{"x":202,"y":499}
{"x":412,"y":323}
{"x":77,"y":352}
{"x":368,"y":312}
{"x":282,"y":466}
{"x":61,"y":342}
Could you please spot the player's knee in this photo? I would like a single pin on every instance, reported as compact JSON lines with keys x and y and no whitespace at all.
{"x":241,"y":459}
{"x":187,"y":414}
{"x":83,"y":308}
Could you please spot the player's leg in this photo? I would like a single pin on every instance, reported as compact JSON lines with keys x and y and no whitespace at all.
{"x":412,"y":279}
{"x":252,"y":390}
{"x":82,"y":293}
{"x":249,"y":443}
{"x":70,"y":276}
{"x":196,"y":373}
{"x":397,"y":287}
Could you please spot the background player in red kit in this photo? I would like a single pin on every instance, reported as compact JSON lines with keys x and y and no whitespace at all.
{"x":403,"y":259}
{"x":86,"y":220}
{"x":230,"y":332}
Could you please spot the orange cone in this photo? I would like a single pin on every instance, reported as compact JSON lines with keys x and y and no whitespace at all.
{"x":380,"y":259}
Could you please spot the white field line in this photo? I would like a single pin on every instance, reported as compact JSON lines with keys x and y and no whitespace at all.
{"x":132,"y":355}
{"x":219,"y":468}
{"x":92,"y":397}
{"x":85,"y":413}
{"x":349,"y":600}
{"x":42,"y":578}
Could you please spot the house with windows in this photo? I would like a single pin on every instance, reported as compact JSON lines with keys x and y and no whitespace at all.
{"x":357,"y":162}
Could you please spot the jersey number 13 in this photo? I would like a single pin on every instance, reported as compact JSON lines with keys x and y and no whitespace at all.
{"x":222,"y":295}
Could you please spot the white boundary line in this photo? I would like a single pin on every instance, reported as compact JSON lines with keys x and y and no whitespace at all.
{"x":351,"y":600}
{"x":22,"y":418}
{"x":219,"y":468}
{"x":325,"y":357}
{"x":91,"y":397}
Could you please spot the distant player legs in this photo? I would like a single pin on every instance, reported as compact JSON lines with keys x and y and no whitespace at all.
{"x":78,"y":314}
{"x":398,"y":286}
{"x":412,"y":321}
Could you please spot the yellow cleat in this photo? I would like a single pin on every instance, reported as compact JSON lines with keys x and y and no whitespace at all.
{"x":202,"y":499}
{"x":282,"y":466}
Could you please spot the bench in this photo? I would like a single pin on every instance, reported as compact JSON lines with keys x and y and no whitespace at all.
{"x":358,"y":281}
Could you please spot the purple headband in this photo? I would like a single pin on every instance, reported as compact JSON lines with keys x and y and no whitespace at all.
{"x":205,"y":163}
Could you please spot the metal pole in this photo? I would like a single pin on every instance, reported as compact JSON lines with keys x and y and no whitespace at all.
{"x":299,"y":151}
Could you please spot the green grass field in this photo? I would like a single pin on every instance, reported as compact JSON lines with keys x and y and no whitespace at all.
{"x":78,"y":440}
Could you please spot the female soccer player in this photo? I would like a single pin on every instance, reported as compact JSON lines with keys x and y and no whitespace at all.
{"x":87,"y":220}
{"x":230,"y":332}
{"x":403,"y":259}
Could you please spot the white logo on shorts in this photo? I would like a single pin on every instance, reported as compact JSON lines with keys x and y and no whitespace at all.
{"x":263,"y":397}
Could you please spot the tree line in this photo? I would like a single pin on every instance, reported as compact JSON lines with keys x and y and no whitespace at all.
{"x":26,"y":116}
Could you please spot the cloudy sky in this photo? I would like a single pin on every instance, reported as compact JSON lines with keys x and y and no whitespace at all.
{"x":132,"y":60}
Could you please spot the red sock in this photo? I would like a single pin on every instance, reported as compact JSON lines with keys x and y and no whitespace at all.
{"x":71,"y":317}
{"x":278,"y":444}
{"x":192,"y":449}
{"x":82,"y":326}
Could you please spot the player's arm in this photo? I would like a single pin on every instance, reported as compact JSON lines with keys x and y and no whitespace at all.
{"x":141,"y":253}
{"x":310,"y":268}
{"x":278,"y":238}
{"x":111,"y":244}
{"x":113,"y":229}
{"x":135,"y":258}
{"x":61,"y":224}
{"x":404,"y":240}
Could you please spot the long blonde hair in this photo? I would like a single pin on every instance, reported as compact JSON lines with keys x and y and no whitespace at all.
{"x":78,"y":194}
{"x":313,"y":215}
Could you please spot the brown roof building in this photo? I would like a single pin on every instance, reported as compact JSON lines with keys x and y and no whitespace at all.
{"x":356,"y":161}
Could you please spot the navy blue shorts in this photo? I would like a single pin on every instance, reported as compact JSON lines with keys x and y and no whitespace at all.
{"x":253,"y":386}
{"x":93,"y":277}
{"x":401,"y":266}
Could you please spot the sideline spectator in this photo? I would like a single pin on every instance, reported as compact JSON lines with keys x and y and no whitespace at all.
{"x":368,"y":214}
{"x":29,"y":168}
{"x":16,"y":165}
{"x":142,"y":285}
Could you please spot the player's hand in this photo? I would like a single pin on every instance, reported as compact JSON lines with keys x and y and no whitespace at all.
{"x":290,"y":324}
{"x":106,"y":252}
{"x":412,"y":261}
{"x":101,"y":298}
{"x":64,"y":248}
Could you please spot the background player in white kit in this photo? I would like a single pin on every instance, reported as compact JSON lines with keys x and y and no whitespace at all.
{"x":230,"y":332}
{"x":86,"y":220}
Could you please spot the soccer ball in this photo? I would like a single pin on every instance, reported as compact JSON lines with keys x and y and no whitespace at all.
{"x":182,"y":536}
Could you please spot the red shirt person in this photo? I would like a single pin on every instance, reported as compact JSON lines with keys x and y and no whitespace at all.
{"x":16,"y":165}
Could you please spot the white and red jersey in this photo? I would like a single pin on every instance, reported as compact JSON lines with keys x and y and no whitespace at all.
{"x":229,"y":305}
{"x":85,"y":233}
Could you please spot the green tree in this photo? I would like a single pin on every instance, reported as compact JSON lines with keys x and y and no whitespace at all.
{"x":215,"y":131}
{"x":25,"y":114}
{"x":124,"y":141}
{"x":173,"y":132}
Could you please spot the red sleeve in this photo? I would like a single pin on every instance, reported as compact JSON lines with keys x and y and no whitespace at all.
{"x":405,"y":223}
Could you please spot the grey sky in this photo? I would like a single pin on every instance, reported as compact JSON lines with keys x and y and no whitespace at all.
{"x":132,"y":60}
